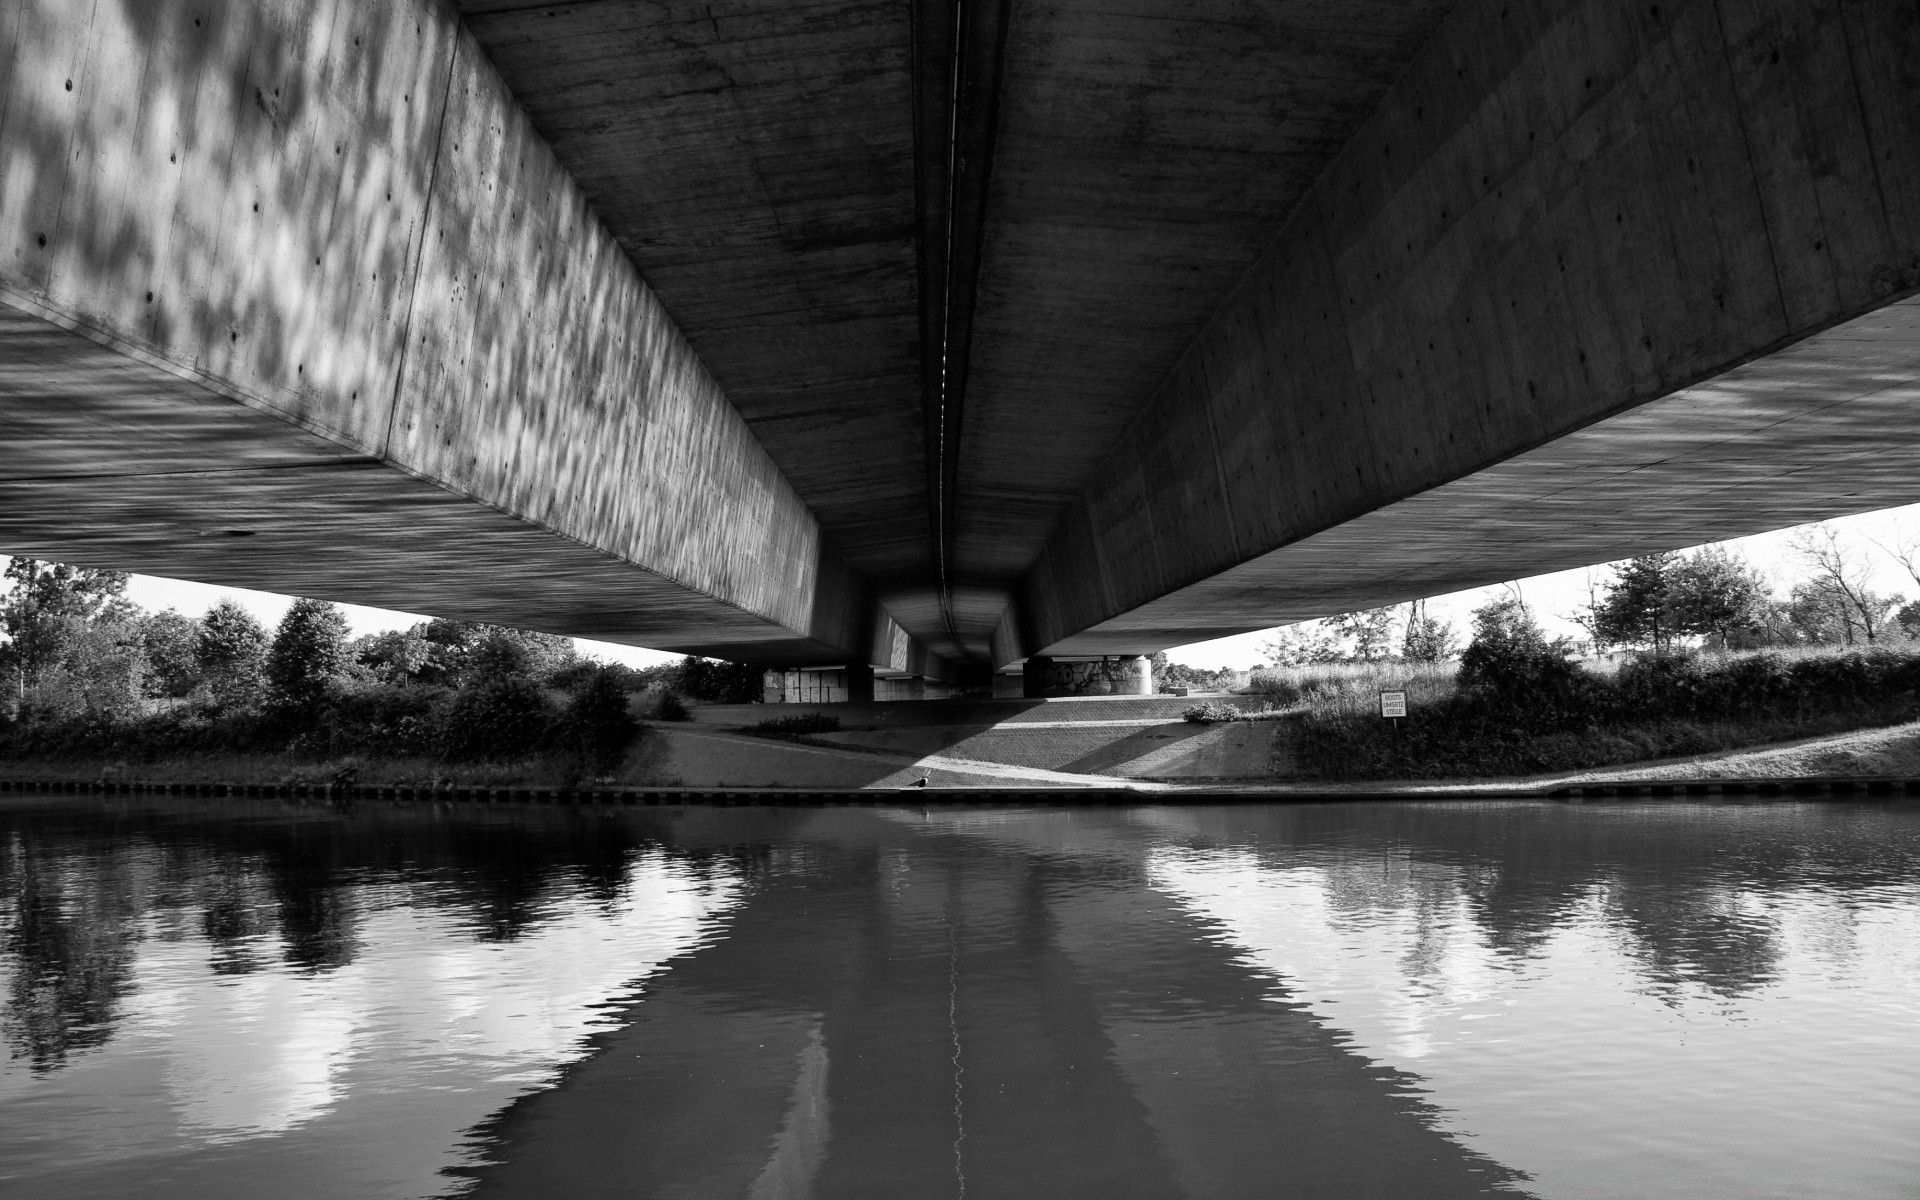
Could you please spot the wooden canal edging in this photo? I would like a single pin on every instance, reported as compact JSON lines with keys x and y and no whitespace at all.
{"x":999,"y":797}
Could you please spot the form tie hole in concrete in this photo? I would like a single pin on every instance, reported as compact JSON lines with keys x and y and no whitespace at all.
{"x":70,"y":82}
{"x":173,"y":158}
{"x":42,"y":239}
{"x":149,"y":297}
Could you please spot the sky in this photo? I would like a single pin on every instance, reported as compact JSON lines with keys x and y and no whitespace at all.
{"x":1553,"y":598}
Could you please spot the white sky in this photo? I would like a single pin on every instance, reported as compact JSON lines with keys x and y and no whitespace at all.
{"x":1552,"y":597}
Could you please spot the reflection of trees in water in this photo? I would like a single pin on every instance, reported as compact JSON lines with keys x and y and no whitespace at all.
{"x":1688,"y":888}
{"x":79,"y":887}
{"x":70,"y":921}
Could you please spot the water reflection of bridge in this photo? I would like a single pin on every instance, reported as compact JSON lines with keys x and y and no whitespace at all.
{"x":932,"y":999}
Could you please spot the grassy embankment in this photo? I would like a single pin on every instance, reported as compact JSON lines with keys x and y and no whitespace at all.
{"x":1601,"y":714}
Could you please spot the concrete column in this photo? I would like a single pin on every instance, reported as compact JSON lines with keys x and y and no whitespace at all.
{"x":859,"y":683}
{"x":1034,"y":676}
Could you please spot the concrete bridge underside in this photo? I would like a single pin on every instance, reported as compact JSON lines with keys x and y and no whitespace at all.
{"x":935,"y":338}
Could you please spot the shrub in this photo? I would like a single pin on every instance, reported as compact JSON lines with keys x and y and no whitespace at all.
{"x":799,"y":724}
{"x":386,"y":720}
{"x":600,"y":724}
{"x":1212,"y":712}
{"x":503,"y":717}
{"x":663,"y":705}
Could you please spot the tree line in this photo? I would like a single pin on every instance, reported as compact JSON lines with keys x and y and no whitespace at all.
{"x":90,"y":671}
{"x":1709,"y":598}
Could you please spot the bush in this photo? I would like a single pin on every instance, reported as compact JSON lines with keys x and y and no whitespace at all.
{"x":663,"y":705}
{"x":600,"y":724}
{"x":795,"y":726}
{"x":1212,"y":712}
{"x":383,"y":720}
{"x":503,"y":717}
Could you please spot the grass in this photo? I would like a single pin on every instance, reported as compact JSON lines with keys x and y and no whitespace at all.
{"x":1334,"y":688}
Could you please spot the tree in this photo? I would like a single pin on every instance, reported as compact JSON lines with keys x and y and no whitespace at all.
{"x":1510,"y":657}
{"x":1300,"y":645}
{"x":1637,"y":609}
{"x":1588,"y":618}
{"x":718,"y":681}
{"x":171,"y":642}
{"x":1837,"y":583}
{"x":232,"y":653}
{"x":1710,"y":593}
{"x":601,"y":723}
{"x":102,"y":671}
{"x":309,"y":652}
{"x":395,"y":657}
{"x":1817,"y":615}
{"x":46,"y":605}
{"x":1904,"y":548}
{"x":1371,"y":630}
{"x":1909,"y":618}
{"x":458,"y":652}
{"x":1428,"y":639}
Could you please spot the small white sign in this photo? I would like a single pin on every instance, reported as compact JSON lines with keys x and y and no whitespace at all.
{"x":1393,"y":704}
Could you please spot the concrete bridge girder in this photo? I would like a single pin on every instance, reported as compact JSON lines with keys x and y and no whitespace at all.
{"x":1593,"y":280}
{"x":282,"y":278}
{"x":306,"y":274}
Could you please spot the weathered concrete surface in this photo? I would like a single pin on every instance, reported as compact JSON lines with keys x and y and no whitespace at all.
{"x":305,"y":271}
{"x":1279,"y":309}
{"x":1433,"y":378}
{"x":756,"y":162}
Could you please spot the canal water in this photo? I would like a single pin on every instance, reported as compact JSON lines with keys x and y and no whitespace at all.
{"x":271,"y":998}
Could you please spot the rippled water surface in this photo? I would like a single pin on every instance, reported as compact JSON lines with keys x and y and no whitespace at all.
{"x":261,"y":998}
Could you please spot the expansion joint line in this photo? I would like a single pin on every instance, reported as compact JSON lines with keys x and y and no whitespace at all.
{"x":942,"y":505}
{"x":960,"y":130}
